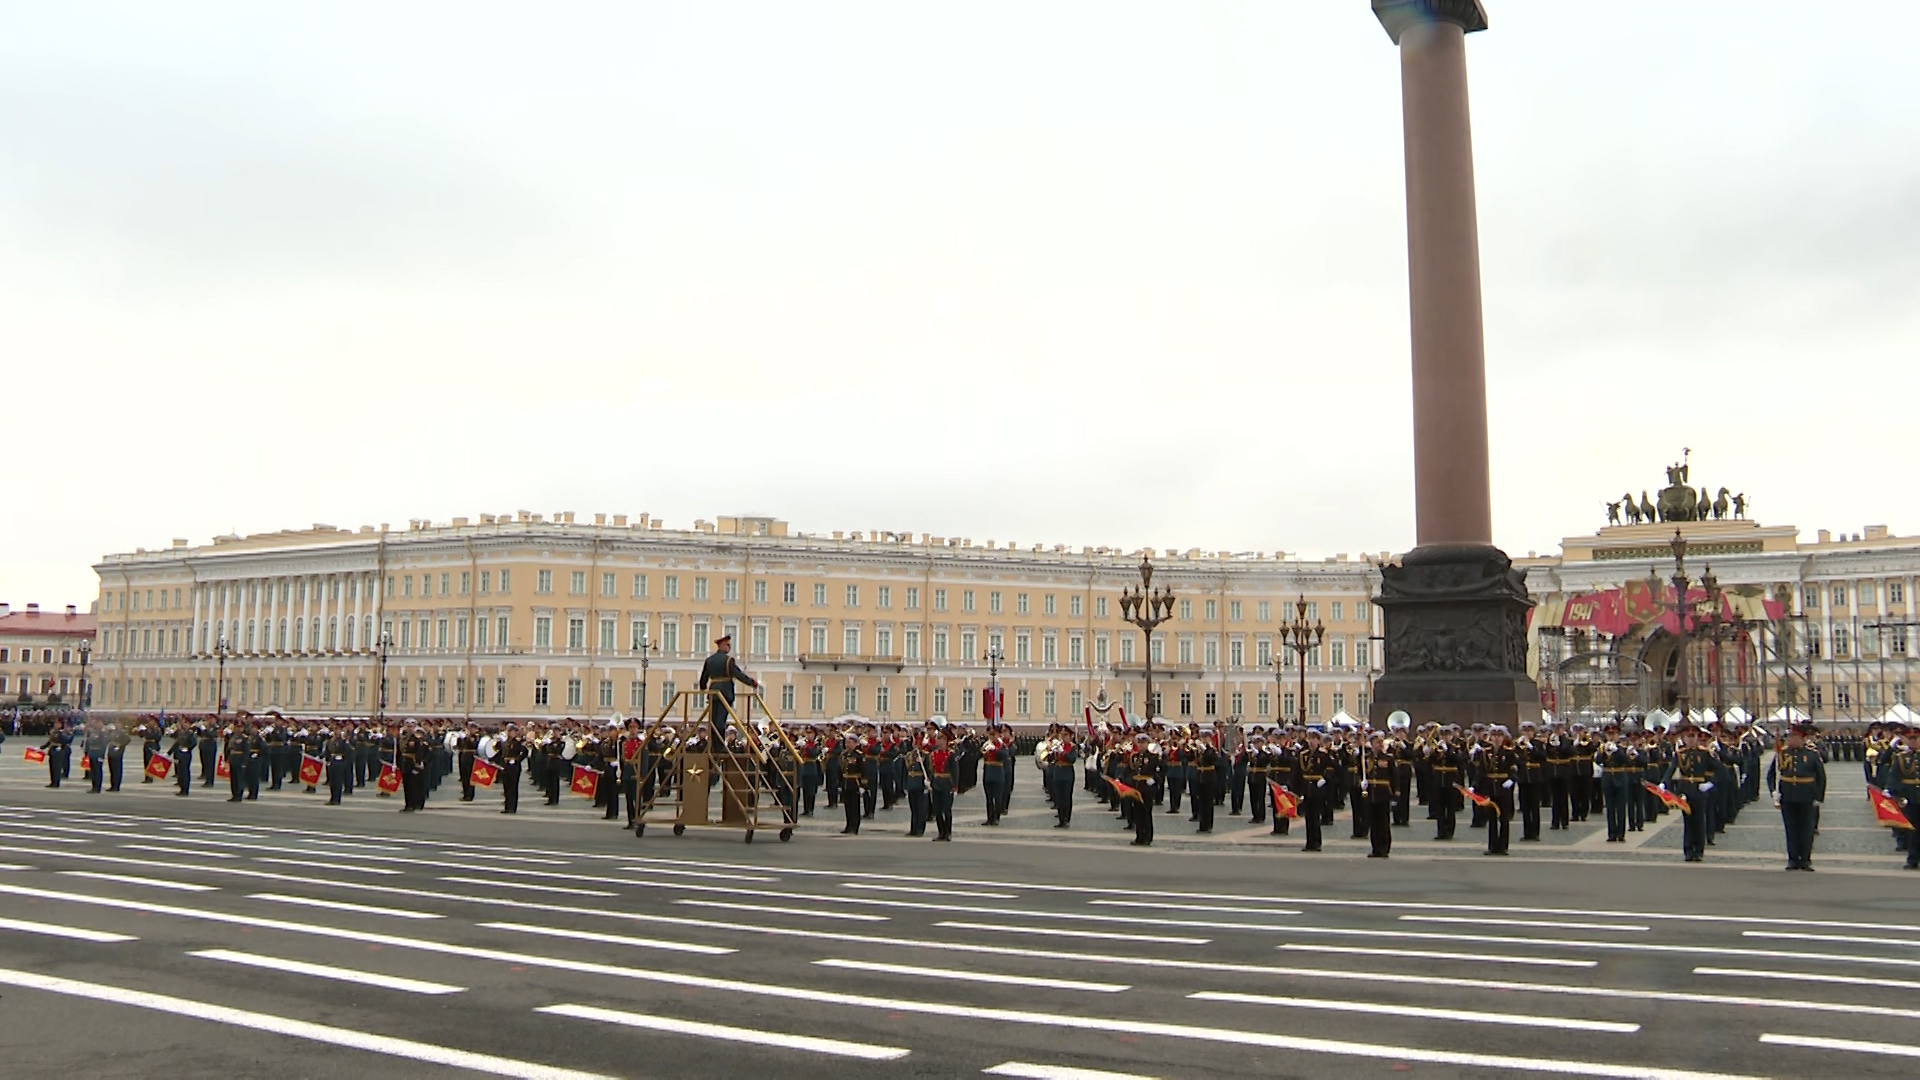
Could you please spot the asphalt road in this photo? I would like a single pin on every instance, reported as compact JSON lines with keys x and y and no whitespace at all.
{"x":143,"y":934}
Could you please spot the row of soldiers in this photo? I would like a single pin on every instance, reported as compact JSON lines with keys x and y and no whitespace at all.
{"x":1890,"y":760}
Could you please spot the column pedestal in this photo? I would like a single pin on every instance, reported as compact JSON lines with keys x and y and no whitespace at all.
{"x":1455,"y":617}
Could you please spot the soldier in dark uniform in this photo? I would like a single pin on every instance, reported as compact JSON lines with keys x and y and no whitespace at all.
{"x":510,"y":751}
{"x":1618,"y":763}
{"x":415,"y":759}
{"x":1145,"y":771}
{"x":994,"y":767}
{"x":853,"y":774}
{"x":1559,"y":777}
{"x":1900,"y":761}
{"x":237,"y":751}
{"x":1061,"y":759}
{"x":1533,"y":779}
{"x":940,"y":785}
{"x":1691,"y":776}
{"x":1379,"y":790}
{"x":94,"y":744}
{"x":1314,"y":765}
{"x":466,"y":746}
{"x":256,"y":761}
{"x":917,"y":803}
{"x":182,"y":754}
{"x":117,"y":755}
{"x":59,"y":746}
{"x":1203,"y":761}
{"x":633,"y":752}
{"x":718,"y":674}
{"x":1499,"y":768}
{"x":809,"y":746}
{"x":1447,"y":760}
{"x":1797,"y":779}
{"x":150,"y":732}
{"x":337,"y":752}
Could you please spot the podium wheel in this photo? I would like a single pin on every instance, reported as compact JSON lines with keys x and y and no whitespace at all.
{"x":679,"y":829}
{"x":786,"y":835}
{"x":639,"y":831}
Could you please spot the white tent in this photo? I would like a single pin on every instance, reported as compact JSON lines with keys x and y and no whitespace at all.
{"x":1900,"y":714}
{"x":1788,"y":714}
{"x":1738,"y":715}
{"x":1342,"y":720}
{"x":1659,"y":720}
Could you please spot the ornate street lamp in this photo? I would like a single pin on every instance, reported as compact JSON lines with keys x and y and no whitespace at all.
{"x":646,"y":646}
{"x":996,"y":707}
{"x":1302,"y":639}
{"x":86,"y":650}
{"x":1145,"y":608}
{"x":380,"y":706}
{"x":221,"y":652}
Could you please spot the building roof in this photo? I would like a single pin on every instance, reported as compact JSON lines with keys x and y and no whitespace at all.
{"x":47,"y":623}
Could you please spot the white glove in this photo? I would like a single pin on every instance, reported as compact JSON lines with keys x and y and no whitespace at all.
{"x":1708,"y":786}
{"x":1663,"y":787}
{"x":1597,"y":770}
{"x":1508,"y":784}
{"x":1320,"y":783}
{"x":1363,"y":789}
{"x":1776,"y":804}
{"x":1816,"y":804}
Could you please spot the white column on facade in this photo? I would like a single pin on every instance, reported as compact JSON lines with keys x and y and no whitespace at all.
{"x":273,"y":613}
{"x":307,"y":585}
{"x":360,"y":583}
{"x":226,"y":611}
{"x":198,"y":621}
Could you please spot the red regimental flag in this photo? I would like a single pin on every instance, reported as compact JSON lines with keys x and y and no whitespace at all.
{"x":1285,"y":803}
{"x":36,"y":755}
{"x":483,"y":774}
{"x":160,"y":766}
{"x":389,"y":781}
{"x":311,"y":769}
{"x":585,"y":781}
{"x":1673,"y":800}
{"x":1478,"y":799}
{"x":86,"y":763}
{"x":1888,"y":810}
{"x":1126,"y":791}
{"x":221,"y":769}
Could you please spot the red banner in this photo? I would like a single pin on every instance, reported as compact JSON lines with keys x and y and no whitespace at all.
{"x":36,"y":756}
{"x":1125,"y":791}
{"x":86,"y":763}
{"x":1888,"y":810}
{"x":311,"y":769}
{"x":1673,"y":800}
{"x":389,"y":781}
{"x":160,"y":767}
{"x":221,"y":769}
{"x":993,"y":703}
{"x":585,"y":781}
{"x":483,"y":773}
{"x":1285,"y":803}
{"x":1478,"y":799}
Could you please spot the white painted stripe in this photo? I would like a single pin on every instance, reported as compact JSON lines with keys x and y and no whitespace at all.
{"x":341,"y":905}
{"x":1615,"y":946}
{"x":929,"y":892}
{"x":177,"y":851}
{"x":949,"y":1011}
{"x":490,"y":857}
{"x":751,"y":1036}
{"x":1438,"y":954}
{"x":1533,"y":923}
{"x":1028,"y":1071}
{"x":1054,"y":931}
{"x":73,"y":932}
{"x":1810,"y":1042}
{"x":949,"y":975}
{"x":1843,"y":939}
{"x":62,"y":829}
{"x":1808,"y":976}
{"x":312,"y":865}
{"x":609,"y":939}
{"x":1162,"y":905}
{"x":322,"y":971}
{"x":484,"y":883}
{"x":129,"y":879}
{"x":766,"y":909}
{"x":388,"y":846}
{"x":695,"y":874}
{"x":16,"y":834}
{"x":298,"y":1029}
{"x":14,"y":866}
{"x":1418,"y":1012}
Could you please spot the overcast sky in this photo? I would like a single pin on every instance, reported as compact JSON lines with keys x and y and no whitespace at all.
{"x":1094,"y":273}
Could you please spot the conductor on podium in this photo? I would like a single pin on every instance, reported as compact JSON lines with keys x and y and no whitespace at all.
{"x":718,"y":674}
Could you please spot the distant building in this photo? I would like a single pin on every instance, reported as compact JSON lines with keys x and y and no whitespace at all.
{"x":40,"y":655}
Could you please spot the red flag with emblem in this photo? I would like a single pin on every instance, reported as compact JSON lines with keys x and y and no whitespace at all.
{"x":483,"y":774}
{"x":1478,"y":799}
{"x":1673,"y":800}
{"x":1285,"y":803}
{"x":86,"y":763}
{"x":311,"y":769}
{"x":221,"y":769}
{"x":1125,"y":791}
{"x":1887,"y":810}
{"x":36,"y":756}
{"x":160,"y":766}
{"x":585,"y":781}
{"x":389,"y":781}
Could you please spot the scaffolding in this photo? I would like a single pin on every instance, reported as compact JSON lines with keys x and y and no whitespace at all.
{"x":756,"y":780}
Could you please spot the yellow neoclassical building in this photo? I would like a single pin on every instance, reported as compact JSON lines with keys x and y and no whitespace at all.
{"x":517,"y":616}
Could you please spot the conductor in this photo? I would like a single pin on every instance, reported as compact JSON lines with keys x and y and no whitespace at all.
{"x":718,"y":675}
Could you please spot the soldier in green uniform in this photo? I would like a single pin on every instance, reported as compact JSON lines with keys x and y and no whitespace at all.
{"x":1798,"y":781}
{"x":1691,"y":775}
{"x":1498,"y":775}
{"x":718,"y":674}
{"x":1379,"y":777}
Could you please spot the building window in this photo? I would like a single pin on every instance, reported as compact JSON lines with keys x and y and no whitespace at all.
{"x":1896,"y":593}
{"x":939,"y":599}
{"x":542,"y":631}
{"x":1839,"y":596}
{"x":1020,"y":603}
{"x":1186,"y":611}
{"x":1100,"y":606}
{"x":1186,"y":651}
{"x":1842,"y":642}
{"x":759,"y":592}
{"x":609,"y":584}
{"x":1213,"y":610}
{"x":882,"y":700}
{"x":993,"y":603}
{"x":573,"y":693}
{"x":1313,"y":703}
{"x":606,"y":693}
{"x":1339,"y":701}
{"x":1076,"y":651}
{"x":1212,"y":703}
{"x":817,"y":699}
{"x":1339,"y":611}
{"x":1263,"y":703}
{"x":543,"y":582}
{"x":1049,"y":650}
{"x":1021,"y":704}
{"x":699,"y":588}
{"x":819,"y":595}
{"x":1186,"y":703}
{"x":1213,"y":653}
{"x":966,"y":701}
{"x":606,"y":635}
{"x":1866,"y":596}
{"x":851,"y":698}
{"x":966,"y":600}
{"x":539,"y":692}
{"x":912,"y":651}
{"x":883,"y":596}
{"x":853,"y":596}
{"x":670,"y":588}
{"x":786,"y":698}
{"x":939,"y":700}
{"x":851,"y":640}
{"x":1126,"y":647}
{"x":789,"y":640}
{"x":1047,"y":700}
{"x":913,"y":599}
{"x":789,"y":593}
{"x":1047,"y":605}
{"x":1022,"y":649}
{"x":639,"y":586}
{"x":1339,"y":653}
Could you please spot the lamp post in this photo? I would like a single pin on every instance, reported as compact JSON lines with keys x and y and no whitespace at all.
{"x":1302,"y":639}
{"x":646,"y":646}
{"x":380,"y":701}
{"x":1143,"y":607}
{"x":220,"y":652}
{"x":86,"y":650}
{"x":995,"y":708}
{"x":1683,"y":694}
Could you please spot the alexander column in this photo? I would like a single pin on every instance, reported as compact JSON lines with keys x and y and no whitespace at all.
{"x":1454,"y":607}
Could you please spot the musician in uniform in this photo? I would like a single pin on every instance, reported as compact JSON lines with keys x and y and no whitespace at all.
{"x":237,"y":751}
{"x":1901,"y":770}
{"x":1059,"y":756}
{"x":1203,"y":762}
{"x":1499,"y":768}
{"x":995,"y":765}
{"x":1690,"y":775}
{"x":1314,"y":765}
{"x":940,"y":783}
{"x":1618,"y":766}
{"x":510,"y":750}
{"x":466,"y":746}
{"x":338,"y":754}
{"x":1797,"y":779}
{"x":58,"y":746}
{"x":853,"y":775}
{"x":1447,"y":761}
{"x":117,"y":755}
{"x":182,"y":754}
{"x":1145,"y":770}
{"x":915,"y":762}
{"x":1379,"y":790}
